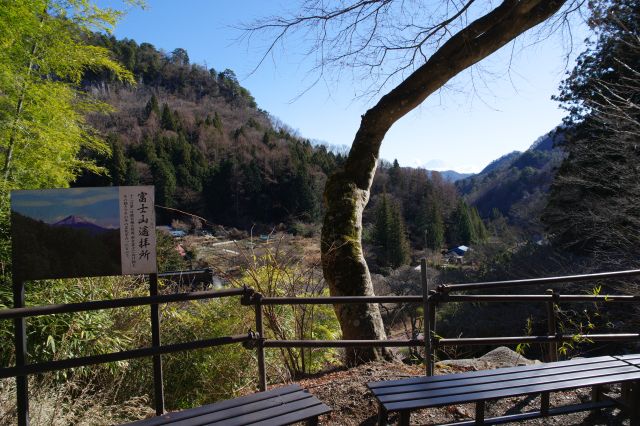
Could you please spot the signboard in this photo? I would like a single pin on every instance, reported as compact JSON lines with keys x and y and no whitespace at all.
{"x":83,"y":232}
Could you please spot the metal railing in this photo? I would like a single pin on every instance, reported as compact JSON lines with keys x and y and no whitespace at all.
{"x":430,"y":299}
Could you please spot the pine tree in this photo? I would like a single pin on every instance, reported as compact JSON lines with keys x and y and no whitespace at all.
{"x":165,"y":182}
{"x":433,"y":229}
{"x":167,"y":121}
{"x":394,"y":174}
{"x":118,"y":164}
{"x":381,"y":224}
{"x":462,"y":230}
{"x":152,"y":106}
{"x":398,"y":252}
{"x":479,"y":234}
{"x":389,"y":233}
{"x":132,"y":177}
{"x":217,"y":122}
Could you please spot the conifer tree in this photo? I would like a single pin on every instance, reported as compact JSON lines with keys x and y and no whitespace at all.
{"x":462,"y":231}
{"x":152,"y":106}
{"x":132,"y":177}
{"x":479,"y":234}
{"x":381,"y":225}
{"x":389,"y":233}
{"x":167,"y":120}
{"x":433,"y":229}
{"x":397,"y":252}
{"x":118,"y":165}
{"x":394,"y":174}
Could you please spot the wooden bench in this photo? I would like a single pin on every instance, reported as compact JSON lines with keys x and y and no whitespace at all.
{"x":406,"y":395}
{"x":281,"y":406}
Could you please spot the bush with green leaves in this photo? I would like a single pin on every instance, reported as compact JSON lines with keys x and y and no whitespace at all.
{"x":281,"y":270}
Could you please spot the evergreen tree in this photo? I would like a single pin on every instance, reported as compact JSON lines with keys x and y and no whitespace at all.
{"x":217,"y":122}
{"x":118,"y":164}
{"x":594,"y":202}
{"x":395,"y":174}
{"x":381,"y":224}
{"x":132,"y":177}
{"x":433,"y":229}
{"x":398,"y":252}
{"x":389,"y":233}
{"x":164,"y":179}
{"x":479,"y":234}
{"x":167,"y":120}
{"x":461,"y":230}
{"x":152,"y":106}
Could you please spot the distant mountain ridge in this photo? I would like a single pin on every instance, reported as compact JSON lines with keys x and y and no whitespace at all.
{"x":451,"y":175}
{"x":517,"y":183}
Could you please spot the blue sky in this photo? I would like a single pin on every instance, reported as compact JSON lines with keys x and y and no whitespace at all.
{"x":478,"y":117}
{"x":98,"y":205}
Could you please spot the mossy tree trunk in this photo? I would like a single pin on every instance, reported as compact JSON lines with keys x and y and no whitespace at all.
{"x":347,"y":191}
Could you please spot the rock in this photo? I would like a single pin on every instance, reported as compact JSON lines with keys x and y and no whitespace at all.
{"x":497,"y":358}
{"x":505,"y":357}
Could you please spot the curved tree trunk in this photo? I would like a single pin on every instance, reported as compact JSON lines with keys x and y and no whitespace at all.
{"x":347,"y":191}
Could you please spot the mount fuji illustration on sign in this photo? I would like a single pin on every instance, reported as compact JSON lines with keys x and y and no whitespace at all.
{"x":79,"y":222}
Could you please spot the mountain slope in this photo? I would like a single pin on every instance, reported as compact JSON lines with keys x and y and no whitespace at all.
{"x":451,"y":175}
{"x":199,"y":137}
{"x":517,"y":183}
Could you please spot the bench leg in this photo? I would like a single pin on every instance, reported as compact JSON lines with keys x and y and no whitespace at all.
{"x":313,"y":421}
{"x":596,"y":393}
{"x":383,"y":416}
{"x":405,"y":418}
{"x":631,"y":397}
{"x":480,"y":412}
{"x":544,"y":403}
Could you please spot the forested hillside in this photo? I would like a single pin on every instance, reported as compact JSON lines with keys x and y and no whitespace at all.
{"x":516,"y":185}
{"x":199,"y":137}
{"x":594,"y":204}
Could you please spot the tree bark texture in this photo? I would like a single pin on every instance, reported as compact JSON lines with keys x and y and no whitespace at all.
{"x":347,"y":191}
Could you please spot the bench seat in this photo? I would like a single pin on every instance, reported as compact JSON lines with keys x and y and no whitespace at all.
{"x":281,"y":406}
{"x":407,"y":395}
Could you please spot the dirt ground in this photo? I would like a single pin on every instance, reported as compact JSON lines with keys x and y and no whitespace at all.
{"x":346,"y":392}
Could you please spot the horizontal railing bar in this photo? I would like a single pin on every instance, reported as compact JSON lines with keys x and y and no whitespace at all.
{"x":32,"y":311}
{"x":536,"y":298}
{"x":537,"y":339}
{"x":448,"y":298}
{"x":44,"y":367}
{"x":532,"y":281}
{"x":341,"y":343}
{"x":338,"y":299}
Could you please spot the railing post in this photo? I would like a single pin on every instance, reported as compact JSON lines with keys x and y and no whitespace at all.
{"x":262,"y":371}
{"x":430,"y":342}
{"x":425,"y":312}
{"x":20,"y":341}
{"x":552,"y":325}
{"x":158,"y":382}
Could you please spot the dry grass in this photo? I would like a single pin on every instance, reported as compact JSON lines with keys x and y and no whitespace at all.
{"x":70,"y":403}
